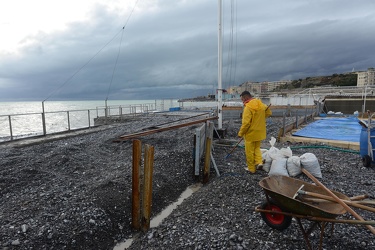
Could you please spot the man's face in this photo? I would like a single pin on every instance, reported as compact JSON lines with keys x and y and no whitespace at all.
{"x":243,"y":98}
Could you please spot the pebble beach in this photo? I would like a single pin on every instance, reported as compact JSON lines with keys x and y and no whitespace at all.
{"x":75,"y":193}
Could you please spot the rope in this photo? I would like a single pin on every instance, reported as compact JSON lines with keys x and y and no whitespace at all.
{"x":114,"y":68}
{"x":231,"y":70}
{"x":85,"y":64}
{"x":119,"y":50}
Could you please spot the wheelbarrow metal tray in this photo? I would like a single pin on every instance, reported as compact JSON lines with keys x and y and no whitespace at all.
{"x":282,"y":190}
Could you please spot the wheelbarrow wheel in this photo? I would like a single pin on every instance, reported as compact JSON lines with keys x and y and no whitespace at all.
{"x":366,"y":160}
{"x":276,"y":221}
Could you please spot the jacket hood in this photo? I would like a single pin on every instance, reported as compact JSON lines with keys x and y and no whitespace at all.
{"x":255,"y":104}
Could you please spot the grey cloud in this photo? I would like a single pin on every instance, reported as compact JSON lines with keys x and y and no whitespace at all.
{"x":171,"y":50}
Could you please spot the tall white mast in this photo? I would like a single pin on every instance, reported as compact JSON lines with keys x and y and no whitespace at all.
{"x":220,"y":65}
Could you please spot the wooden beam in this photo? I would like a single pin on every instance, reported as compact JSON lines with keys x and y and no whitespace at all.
{"x":152,"y":131}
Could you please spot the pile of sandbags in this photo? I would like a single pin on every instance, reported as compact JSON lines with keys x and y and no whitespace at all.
{"x":283,"y":162}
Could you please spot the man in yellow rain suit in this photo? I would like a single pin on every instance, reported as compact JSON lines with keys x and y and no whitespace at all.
{"x":253,"y":129}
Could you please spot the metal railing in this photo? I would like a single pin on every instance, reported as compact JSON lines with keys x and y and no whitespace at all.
{"x":19,"y":126}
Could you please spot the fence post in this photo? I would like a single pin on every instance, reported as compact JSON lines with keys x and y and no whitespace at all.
{"x":162,"y":105}
{"x":147,"y":187}
{"x":88,"y":115}
{"x":284,"y":118}
{"x":136,"y":207}
{"x":67,"y":113}
{"x":10,"y":127}
{"x":44,"y":120}
{"x":296,"y":118}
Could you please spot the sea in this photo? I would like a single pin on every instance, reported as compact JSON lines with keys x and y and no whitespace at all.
{"x":25,"y":119}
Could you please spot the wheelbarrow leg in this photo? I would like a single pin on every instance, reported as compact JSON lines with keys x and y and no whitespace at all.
{"x":322,"y":234}
{"x":305,"y":234}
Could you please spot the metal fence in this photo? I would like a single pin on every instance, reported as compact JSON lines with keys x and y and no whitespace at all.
{"x":20,"y":126}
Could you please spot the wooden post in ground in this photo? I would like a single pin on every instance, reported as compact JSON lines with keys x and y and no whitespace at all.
{"x":147,"y":187}
{"x":136,"y":208}
{"x":207,"y":161}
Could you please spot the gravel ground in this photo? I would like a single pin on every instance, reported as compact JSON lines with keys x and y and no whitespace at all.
{"x":75,"y":193}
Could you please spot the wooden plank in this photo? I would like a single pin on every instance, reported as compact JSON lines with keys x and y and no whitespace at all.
{"x":136,"y":201}
{"x":152,"y":131}
{"x":147,"y":187}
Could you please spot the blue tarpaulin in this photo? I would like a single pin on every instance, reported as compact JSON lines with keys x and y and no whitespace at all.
{"x":339,"y":129}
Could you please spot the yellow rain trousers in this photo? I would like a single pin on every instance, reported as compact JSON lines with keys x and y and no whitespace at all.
{"x":253,"y":130}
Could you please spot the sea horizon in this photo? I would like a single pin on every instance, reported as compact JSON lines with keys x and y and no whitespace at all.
{"x":19,"y":119}
{"x":25,"y":107}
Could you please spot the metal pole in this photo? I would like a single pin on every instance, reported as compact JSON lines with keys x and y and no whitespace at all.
{"x":67,"y":113}
{"x":284,"y":124}
{"x":43,"y":120}
{"x":106,"y":108}
{"x":106,"y":112}
{"x":220,"y":65}
{"x":88,"y":115}
{"x":10,"y":127}
{"x":297,"y":118}
{"x":364,"y":101}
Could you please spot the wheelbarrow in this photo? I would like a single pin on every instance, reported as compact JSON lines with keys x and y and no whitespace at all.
{"x":288,"y":198}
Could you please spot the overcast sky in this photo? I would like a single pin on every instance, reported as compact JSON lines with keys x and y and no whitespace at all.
{"x":152,"y":49}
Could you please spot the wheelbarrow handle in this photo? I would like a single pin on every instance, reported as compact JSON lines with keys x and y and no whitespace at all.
{"x":347,"y":208}
{"x":331,"y":199}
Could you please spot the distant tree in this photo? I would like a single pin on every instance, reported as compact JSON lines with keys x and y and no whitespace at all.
{"x":347,"y":80}
{"x":296,"y":84}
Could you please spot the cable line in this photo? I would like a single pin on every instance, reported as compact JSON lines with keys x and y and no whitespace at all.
{"x":232,"y":47}
{"x":119,"y":50}
{"x":114,"y":68}
{"x":85,"y":64}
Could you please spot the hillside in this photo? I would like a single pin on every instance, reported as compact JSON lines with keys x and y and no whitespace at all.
{"x":335,"y":80}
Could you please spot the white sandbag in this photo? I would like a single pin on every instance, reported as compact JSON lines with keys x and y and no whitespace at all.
{"x":286,"y":152}
{"x":311,"y":164}
{"x":293,"y":165}
{"x":267,"y":160}
{"x":272,"y":141}
{"x":274,"y":152}
{"x":278,"y":167}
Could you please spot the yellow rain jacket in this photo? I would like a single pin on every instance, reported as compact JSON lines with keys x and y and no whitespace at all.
{"x":254,"y":116}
